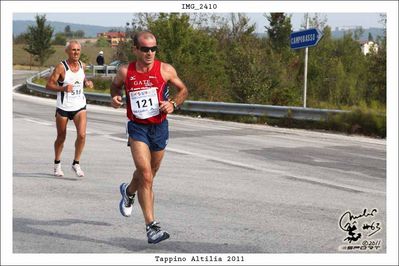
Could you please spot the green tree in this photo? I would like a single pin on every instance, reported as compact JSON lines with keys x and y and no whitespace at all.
{"x":192,"y":51}
{"x":279,"y":31}
{"x":282,"y":62}
{"x":337,"y":71}
{"x":67,"y":31}
{"x":124,"y":52}
{"x":249,"y":81}
{"x":102,"y":42}
{"x":39,"y":40}
{"x":79,"y":34}
{"x":370,"y":38}
{"x":354,"y":63}
{"x":376,"y":78}
{"x":357,"y":33}
{"x":281,"y":75}
{"x":59,"y":39}
{"x":84,"y":58}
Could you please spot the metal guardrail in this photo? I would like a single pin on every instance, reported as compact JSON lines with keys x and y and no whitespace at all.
{"x":299,"y":113}
{"x":93,"y":70}
{"x":101,"y":70}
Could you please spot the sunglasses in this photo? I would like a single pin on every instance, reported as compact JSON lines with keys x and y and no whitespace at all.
{"x":145,"y":49}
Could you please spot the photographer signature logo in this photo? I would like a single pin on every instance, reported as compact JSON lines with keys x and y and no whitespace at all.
{"x":359,"y":228}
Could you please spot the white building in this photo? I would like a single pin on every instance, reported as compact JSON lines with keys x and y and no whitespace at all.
{"x":369,"y":46}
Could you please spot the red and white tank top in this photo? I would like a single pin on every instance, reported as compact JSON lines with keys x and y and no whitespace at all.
{"x":144,"y":91}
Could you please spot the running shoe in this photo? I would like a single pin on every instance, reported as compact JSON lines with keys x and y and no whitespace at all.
{"x":78,"y":171}
{"x":155,"y":234}
{"x":57,"y":170}
{"x":126,"y":203}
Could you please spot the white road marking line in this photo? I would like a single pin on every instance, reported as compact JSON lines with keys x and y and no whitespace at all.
{"x":115,"y":138}
{"x":278,"y":172}
{"x":38,"y":122}
{"x":51,"y":102}
{"x":45,"y":123}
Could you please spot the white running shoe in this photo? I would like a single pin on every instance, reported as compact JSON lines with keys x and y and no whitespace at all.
{"x":57,"y":170}
{"x":78,"y":170}
{"x":126,"y":203}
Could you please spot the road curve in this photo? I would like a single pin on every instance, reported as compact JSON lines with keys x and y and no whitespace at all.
{"x":223,"y":187}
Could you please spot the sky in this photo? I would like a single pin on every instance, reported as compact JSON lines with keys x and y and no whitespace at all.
{"x":365,"y":20}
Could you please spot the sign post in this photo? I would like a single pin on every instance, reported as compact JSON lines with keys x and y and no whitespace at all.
{"x":304,"y":39}
{"x":305,"y":76}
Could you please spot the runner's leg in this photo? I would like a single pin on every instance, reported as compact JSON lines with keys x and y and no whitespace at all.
{"x":80,"y":120}
{"x":61,"y":124}
{"x":156,"y":159}
{"x":143,"y":178}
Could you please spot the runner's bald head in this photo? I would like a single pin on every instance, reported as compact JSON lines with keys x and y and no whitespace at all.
{"x":142,"y":35}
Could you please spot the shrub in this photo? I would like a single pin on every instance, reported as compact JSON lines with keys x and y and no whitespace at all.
{"x":101,"y":83}
{"x":359,"y":121}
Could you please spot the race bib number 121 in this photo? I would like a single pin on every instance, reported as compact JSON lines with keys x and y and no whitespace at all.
{"x":144,"y":103}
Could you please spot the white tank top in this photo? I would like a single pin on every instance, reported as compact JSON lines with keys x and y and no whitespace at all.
{"x":75,"y":100}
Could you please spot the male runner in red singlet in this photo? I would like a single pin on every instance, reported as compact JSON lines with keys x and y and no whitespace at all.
{"x":68,"y":80}
{"x":146,"y":85}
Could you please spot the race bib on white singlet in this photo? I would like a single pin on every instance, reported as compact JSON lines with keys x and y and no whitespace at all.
{"x":144,"y":103}
{"x":77,"y":91}
{"x":74,"y":95}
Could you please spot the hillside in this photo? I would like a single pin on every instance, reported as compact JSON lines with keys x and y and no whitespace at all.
{"x":375,"y":32}
{"x":20,"y":26}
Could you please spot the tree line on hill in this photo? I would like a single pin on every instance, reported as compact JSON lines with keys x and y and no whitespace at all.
{"x":223,"y":59}
{"x":60,"y":38}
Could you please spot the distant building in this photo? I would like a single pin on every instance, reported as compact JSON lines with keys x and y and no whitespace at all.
{"x":368,"y":46}
{"x":113,"y":37}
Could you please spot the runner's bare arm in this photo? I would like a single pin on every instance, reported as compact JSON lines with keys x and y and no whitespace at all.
{"x":86,"y":83}
{"x":53,"y":79}
{"x":169,"y":74}
{"x":116,"y":87}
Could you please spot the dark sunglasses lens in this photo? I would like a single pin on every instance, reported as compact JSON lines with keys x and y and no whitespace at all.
{"x":147,"y":49}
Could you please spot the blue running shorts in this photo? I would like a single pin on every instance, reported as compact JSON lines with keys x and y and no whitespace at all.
{"x":154,"y":135}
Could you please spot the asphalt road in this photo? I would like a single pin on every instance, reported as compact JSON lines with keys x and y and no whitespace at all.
{"x":223,"y":187}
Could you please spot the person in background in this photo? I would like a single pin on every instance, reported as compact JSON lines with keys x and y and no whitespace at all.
{"x":100,"y":58}
{"x":68,"y":80}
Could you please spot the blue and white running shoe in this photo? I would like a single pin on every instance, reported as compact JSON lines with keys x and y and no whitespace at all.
{"x":126,"y":203}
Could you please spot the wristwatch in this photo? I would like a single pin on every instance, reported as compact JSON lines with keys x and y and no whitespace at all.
{"x":174,"y":104}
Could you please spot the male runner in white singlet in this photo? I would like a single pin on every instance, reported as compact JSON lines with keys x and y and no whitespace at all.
{"x":68,"y":79}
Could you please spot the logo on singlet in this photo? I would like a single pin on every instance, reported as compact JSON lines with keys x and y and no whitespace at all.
{"x":146,"y":83}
